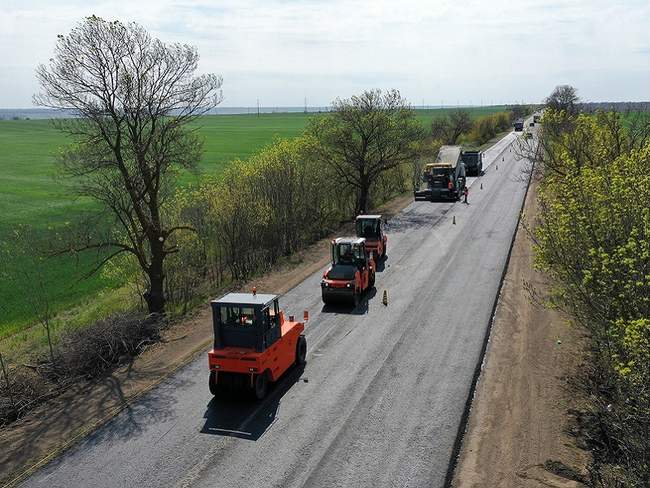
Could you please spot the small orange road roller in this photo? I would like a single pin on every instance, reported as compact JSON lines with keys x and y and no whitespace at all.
{"x":254,"y":344}
{"x":370,"y":227}
{"x":351,"y":274}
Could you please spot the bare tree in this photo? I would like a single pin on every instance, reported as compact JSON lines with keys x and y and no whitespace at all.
{"x":450,"y":127}
{"x":460,"y":122}
{"x":519,"y":111}
{"x":31,"y":279}
{"x":563,"y":97}
{"x":440,"y":129}
{"x":133,"y":97}
{"x":365,"y":136}
{"x":5,"y":376}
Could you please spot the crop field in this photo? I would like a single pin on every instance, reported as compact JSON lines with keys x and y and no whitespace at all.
{"x":32,"y":195}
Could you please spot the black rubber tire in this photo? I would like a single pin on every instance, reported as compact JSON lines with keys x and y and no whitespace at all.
{"x":212,"y":383}
{"x":356,"y":299}
{"x":261,"y":386}
{"x":301,"y":351}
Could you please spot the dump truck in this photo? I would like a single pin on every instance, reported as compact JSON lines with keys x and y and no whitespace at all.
{"x":445,"y":178}
{"x":254,"y":343}
{"x":473,"y":160}
{"x":370,"y":227}
{"x":351,"y":273}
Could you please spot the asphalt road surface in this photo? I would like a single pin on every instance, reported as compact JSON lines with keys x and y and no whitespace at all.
{"x":381,"y":399}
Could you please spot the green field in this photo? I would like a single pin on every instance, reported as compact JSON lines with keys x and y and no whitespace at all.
{"x":32,"y":195}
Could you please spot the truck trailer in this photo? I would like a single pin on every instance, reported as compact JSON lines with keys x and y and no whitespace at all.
{"x":473,"y":161}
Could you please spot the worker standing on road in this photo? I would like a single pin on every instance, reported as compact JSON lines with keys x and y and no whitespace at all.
{"x":465,"y":193}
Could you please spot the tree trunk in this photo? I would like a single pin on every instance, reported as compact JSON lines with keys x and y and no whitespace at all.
{"x":362,"y":201}
{"x":155,"y":295}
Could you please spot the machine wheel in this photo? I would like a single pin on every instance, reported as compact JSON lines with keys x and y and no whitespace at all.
{"x":301,"y":351}
{"x":261,"y":386}
{"x":212,"y":383}
{"x":356,"y":299}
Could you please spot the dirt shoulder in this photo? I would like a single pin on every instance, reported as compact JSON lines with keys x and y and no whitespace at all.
{"x":516,"y":433}
{"x":30,"y":443}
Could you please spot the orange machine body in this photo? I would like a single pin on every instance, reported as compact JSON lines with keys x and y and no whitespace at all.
{"x":371,"y":229}
{"x":347,"y":280}
{"x":275,"y":360}
{"x":253,"y":343}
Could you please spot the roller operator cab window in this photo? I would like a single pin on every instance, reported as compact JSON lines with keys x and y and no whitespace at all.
{"x":368,"y":228}
{"x":345,"y":253}
{"x":233,"y":316}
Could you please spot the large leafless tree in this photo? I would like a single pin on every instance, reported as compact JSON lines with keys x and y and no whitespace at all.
{"x":365,"y":136}
{"x":450,"y":127}
{"x":132,"y":97}
{"x":563,"y":97}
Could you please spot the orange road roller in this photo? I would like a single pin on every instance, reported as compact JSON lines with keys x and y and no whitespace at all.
{"x":254,"y":343}
{"x":352,"y":272}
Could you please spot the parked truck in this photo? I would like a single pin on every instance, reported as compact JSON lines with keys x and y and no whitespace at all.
{"x":519,"y":125}
{"x":444,"y":178}
{"x":473,"y":160}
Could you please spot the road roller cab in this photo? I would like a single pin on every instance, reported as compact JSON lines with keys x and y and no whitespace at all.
{"x":254,"y":343}
{"x":352,"y":271}
{"x":370,"y":227}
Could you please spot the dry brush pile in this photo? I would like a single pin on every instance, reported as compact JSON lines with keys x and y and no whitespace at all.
{"x":80,"y":354}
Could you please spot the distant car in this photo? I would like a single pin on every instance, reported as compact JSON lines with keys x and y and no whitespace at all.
{"x":532,"y":124}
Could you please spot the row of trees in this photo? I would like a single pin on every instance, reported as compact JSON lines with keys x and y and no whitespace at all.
{"x":258,"y":211}
{"x":135,"y":97}
{"x":285,"y":197}
{"x":457,"y":127}
{"x":593,"y":240}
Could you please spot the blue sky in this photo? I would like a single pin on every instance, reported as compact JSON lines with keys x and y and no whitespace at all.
{"x":436,"y":51}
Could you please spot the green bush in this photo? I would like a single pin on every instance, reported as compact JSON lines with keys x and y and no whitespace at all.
{"x":593,"y":240}
{"x":488,"y":127}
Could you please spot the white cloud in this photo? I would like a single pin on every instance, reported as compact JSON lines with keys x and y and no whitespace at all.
{"x":283,"y":50}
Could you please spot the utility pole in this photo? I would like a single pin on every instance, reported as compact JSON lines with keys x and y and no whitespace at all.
{"x":258,"y":107}
{"x":305,"y":104}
